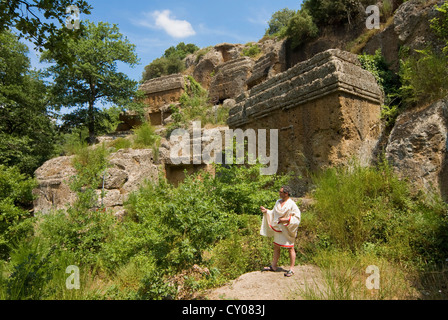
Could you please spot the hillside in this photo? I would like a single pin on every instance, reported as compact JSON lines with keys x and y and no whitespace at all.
{"x":353,"y":120}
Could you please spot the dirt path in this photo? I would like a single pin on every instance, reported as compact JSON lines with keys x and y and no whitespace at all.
{"x":269,"y":285}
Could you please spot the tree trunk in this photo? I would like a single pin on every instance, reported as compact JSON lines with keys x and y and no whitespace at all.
{"x":91,"y":123}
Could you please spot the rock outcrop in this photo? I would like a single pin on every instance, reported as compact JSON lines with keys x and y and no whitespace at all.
{"x":160,"y":93}
{"x":128,"y":171}
{"x":410,"y":29}
{"x":418,"y":147}
{"x":230,"y":79}
{"x":327,"y":110}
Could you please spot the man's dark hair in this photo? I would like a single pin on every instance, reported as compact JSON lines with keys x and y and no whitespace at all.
{"x":287,"y":189}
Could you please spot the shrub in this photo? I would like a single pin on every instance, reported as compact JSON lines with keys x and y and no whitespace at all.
{"x":279,"y":21}
{"x":15,"y":198}
{"x":163,"y":66}
{"x":326,"y":12}
{"x":300,"y":29}
{"x":424,"y":77}
{"x":389,"y":83}
{"x":146,"y":137}
{"x":90,"y":164}
{"x":252,"y":51}
{"x":371,"y":209}
{"x":170,"y":63}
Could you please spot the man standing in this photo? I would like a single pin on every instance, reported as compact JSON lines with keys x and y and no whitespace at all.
{"x":282,"y":223}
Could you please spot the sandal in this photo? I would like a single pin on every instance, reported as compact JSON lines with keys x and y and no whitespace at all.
{"x":289,"y":273}
{"x":269,"y":269}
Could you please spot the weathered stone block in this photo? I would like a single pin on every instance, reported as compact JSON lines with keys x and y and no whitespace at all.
{"x":230,"y":79}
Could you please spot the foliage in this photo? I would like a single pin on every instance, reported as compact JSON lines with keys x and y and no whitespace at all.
{"x":252,"y":51}
{"x":333,"y":12}
{"x":15,"y":198}
{"x":26,"y":17}
{"x":26,"y":128}
{"x":194,"y":105}
{"x":30,"y":272}
{"x":90,"y":164}
{"x":181,"y":50}
{"x":170,"y":63}
{"x":106,"y":120}
{"x":163,"y":66}
{"x":145,"y":137}
{"x":439,"y":25}
{"x":300,"y":29}
{"x":424,"y":74}
{"x":424,"y":77}
{"x":279,"y":21}
{"x":389,"y":83}
{"x":94,"y":76}
{"x":370,"y":209}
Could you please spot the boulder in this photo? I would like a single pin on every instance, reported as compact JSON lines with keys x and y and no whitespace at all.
{"x":128,"y":171}
{"x":418,"y":147}
{"x":53,"y":191}
{"x":204,"y":70}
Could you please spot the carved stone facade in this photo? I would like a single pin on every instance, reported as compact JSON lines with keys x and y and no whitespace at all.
{"x":327,"y":110}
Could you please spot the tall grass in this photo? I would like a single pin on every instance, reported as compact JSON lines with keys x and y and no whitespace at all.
{"x":367,"y":216}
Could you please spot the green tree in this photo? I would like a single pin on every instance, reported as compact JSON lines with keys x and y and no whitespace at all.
{"x":93,"y":77}
{"x":181,"y":50}
{"x":170,"y":63}
{"x":42,"y":22}
{"x":326,"y":12}
{"x":279,"y":21}
{"x":26,"y":128}
{"x":300,"y":29}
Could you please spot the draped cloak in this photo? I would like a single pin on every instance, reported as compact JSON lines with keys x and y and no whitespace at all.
{"x":284,"y":233}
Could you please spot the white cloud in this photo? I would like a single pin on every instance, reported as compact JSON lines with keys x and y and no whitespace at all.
{"x":163,"y":20}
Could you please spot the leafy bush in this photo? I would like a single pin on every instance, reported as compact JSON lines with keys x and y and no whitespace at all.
{"x":389,"y":83}
{"x":300,"y":29}
{"x":15,"y":198}
{"x":252,"y":51}
{"x":31,"y":272}
{"x":326,"y":12}
{"x":439,"y":25}
{"x":146,"y":137}
{"x":279,"y":21}
{"x":90,"y":164}
{"x":170,"y":63}
{"x":180,"y":51}
{"x":424,"y":77}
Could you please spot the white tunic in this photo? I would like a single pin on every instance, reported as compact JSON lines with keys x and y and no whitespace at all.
{"x":284,"y":233}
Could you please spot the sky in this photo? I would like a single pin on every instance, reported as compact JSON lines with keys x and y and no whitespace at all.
{"x":154,"y":26}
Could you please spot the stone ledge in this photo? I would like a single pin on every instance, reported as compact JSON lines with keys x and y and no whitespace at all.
{"x":326,"y":73}
{"x":165,"y":83}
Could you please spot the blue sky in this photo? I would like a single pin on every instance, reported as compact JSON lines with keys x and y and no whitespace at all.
{"x":153,"y":26}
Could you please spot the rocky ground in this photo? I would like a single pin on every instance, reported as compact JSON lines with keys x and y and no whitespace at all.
{"x":261,"y":285}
